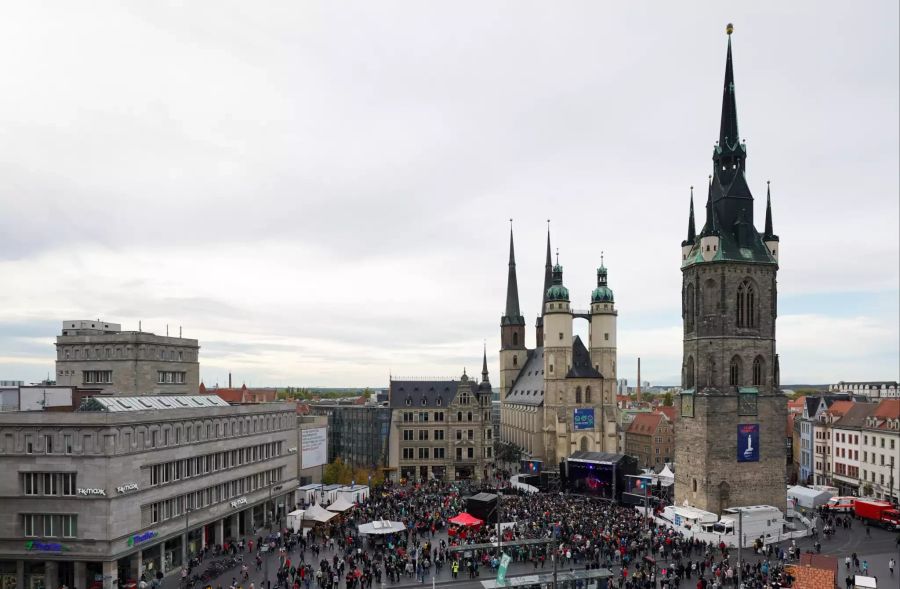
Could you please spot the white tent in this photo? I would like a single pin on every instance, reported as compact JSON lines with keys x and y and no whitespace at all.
{"x":806,"y":497}
{"x":318,"y":514}
{"x":666,"y":476}
{"x":340,"y":505}
{"x":381,"y":527}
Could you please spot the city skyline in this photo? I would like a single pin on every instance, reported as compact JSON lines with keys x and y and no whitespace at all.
{"x":319,"y":207}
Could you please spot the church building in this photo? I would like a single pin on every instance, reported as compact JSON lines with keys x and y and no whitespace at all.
{"x":558,"y":397}
{"x":730,"y":448}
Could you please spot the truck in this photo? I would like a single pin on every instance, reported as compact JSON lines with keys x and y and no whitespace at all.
{"x":880,"y":513}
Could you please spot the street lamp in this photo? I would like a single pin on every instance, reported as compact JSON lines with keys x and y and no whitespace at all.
{"x":184,"y":545}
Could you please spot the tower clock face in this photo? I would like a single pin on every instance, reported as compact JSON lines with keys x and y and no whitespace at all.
{"x":747,"y":404}
{"x":687,"y":405}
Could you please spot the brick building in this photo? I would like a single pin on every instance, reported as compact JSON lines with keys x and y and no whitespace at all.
{"x":650,"y":438}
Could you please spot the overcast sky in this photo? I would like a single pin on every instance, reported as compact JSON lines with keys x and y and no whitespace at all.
{"x":320,"y":191}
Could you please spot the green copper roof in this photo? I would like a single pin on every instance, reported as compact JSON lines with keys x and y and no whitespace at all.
{"x":557,"y":292}
{"x":754,"y":252}
{"x":602,"y":294}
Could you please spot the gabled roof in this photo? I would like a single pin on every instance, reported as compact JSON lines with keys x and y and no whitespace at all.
{"x":887,"y":409}
{"x":668,"y":411}
{"x":528,"y":388}
{"x":645,"y":424}
{"x":581,"y":362}
{"x":839,"y":408}
{"x":856,"y":415}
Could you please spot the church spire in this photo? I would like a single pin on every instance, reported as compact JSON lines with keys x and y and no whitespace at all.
{"x":548,"y":270}
{"x":728,"y":128}
{"x":484,"y":370}
{"x":711,"y":227}
{"x":692,"y":232}
{"x":512,"y":315}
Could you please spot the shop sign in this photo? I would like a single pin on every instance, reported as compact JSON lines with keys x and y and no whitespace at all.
{"x":143,"y":537}
{"x":101,"y":492}
{"x":46,"y":546}
{"x":127,"y":487}
{"x":239,"y":502}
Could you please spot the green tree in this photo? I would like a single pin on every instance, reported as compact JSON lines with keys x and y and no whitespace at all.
{"x":668,"y":401}
{"x":337,"y":472}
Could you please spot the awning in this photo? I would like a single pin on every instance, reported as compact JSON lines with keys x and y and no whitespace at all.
{"x":340,"y":505}
{"x":316,"y":513}
{"x":381,"y":527}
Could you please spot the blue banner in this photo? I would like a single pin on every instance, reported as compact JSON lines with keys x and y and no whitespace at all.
{"x":584,"y":418}
{"x":748,"y":442}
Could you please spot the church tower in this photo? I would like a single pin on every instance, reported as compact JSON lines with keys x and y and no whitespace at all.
{"x":512,"y":329}
{"x":548,"y":280}
{"x":603,"y":334}
{"x":730,"y":437}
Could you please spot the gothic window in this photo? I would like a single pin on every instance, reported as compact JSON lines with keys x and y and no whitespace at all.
{"x":578,"y":394}
{"x":515,"y":338}
{"x":746,"y":305}
{"x":734,"y":372}
{"x":777,"y":375}
{"x":689,"y":308}
{"x":515,"y":360}
{"x":758,"y":368}
{"x":587,"y":394}
{"x":689,"y":373}
{"x":584,"y":444}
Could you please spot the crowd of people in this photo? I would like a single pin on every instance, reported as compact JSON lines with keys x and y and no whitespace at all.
{"x":570,"y":533}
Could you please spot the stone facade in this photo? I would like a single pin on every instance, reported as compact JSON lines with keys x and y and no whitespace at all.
{"x":139,"y":470}
{"x":126,"y":362}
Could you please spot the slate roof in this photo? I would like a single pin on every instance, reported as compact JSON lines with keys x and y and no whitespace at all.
{"x":855,"y":417}
{"x":422,"y":393}
{"x":528,"y":389}
{"x":581,"y":362}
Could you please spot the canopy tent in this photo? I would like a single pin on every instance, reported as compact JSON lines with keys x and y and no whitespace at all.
{"x":318,"y":514}
{"x":465,"y":519}
{"x":381,"y":528}
{"x":340,"y":505}
{"x":666,"y":475}
{"x":807,"y":498}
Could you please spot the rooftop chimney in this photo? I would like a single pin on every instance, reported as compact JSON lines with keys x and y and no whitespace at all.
{"x":229,"y":380}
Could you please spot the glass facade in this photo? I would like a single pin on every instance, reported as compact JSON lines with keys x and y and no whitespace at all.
{"x":357,"y":434}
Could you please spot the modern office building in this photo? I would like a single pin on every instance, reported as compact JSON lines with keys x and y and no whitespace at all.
{"x":98,"y":354}
{"x":131,"y":485}
{"x":357,"y":434}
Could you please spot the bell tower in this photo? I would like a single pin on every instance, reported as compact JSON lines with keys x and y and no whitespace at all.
{"x":730,"y":437}
{"x":603,"y":334}
{"x":512,"y":328}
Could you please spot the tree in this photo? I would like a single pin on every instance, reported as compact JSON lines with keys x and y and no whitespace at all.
{"x":337,"y":472}
{"x":508,"y":452}
{"x":668,"y":401}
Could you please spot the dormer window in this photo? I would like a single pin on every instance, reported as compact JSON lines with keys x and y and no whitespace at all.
{"x":408,"y":401}
{"x":424,"y":401}
{"x":439,"y":401}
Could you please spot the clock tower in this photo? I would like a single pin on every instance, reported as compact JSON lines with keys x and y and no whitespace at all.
{"x":730,"y":448}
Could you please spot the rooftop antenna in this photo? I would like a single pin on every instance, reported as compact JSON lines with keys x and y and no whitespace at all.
{"x":179,"y":331}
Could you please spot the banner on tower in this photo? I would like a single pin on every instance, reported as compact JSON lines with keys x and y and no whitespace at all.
{"x":748,"y":442}
{"x":584,"y":418}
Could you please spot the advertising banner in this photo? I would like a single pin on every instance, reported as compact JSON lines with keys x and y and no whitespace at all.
{"x":748,"y":442}
{"x":584,"y":418}
{"x":313,"y":447}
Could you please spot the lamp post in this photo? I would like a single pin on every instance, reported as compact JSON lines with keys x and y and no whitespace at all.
{"x":187,"y":532}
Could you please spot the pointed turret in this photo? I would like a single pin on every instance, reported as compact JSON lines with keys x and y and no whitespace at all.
{"x":711,"y":226}
{"x":484,"y":370}
{"x":769,"y":234}
{"x":512,"y":315}
{"x":692,"y":232}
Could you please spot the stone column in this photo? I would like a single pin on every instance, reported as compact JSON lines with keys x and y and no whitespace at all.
{"x":20,"y":574}
{"x":80,"y":579}
{"x":236,"y":527}
{"x":110,"y":572}
{"x":249,"y":524}
{"x":219,"y":532}
{"x":184,"y":547}
{"x":162,"y":557}
{"x":51,"y":574}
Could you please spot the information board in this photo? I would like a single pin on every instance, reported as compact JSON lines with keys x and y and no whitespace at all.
{"x":584,"y":418}
{"x":748,"y":442}
{"x":313,"y":447}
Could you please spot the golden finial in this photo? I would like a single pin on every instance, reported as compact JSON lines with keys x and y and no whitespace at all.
{"x":729,"y":29}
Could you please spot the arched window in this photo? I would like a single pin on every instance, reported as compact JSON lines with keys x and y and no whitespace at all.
{"x":689,"y":308}
{"x":734,"y":371}
{"x":758,"y":371}
{"x":578,"y":394}
{"x":584,"y":444}
{"x":587,"y":394}
{"x":777,"y":373}
{"x":746,"y":313}
{"x":695,"y":485}
{"x":515,"y":360}
{"x":689,"y":373}
{"x":515,"y":338}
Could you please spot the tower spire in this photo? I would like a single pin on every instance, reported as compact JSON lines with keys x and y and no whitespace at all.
{"x":484,"y":370}
{"x":548,"y":270}
{"x":512,"y":315}
{"x":768,"y":232}
{"x":711,"y":227}
{"x":728,"y":128}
